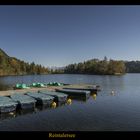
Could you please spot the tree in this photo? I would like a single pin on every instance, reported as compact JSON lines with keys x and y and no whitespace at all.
{"x":96,"y":66}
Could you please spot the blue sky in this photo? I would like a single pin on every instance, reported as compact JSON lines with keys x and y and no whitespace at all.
{"x":60,"y":35}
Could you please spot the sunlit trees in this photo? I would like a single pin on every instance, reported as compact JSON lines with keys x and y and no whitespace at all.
{"x":96,"y":66}
{"x":14,"y":66}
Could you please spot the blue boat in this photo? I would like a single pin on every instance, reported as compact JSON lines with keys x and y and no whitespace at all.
{"x":59,"y":97}
{"x":75,"y":93}
{"x":41,"y":99}
{"x":24,"y":101}
{"x":7,"y":105}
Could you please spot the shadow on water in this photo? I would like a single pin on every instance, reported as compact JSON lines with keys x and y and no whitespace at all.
{"x":4,"y":116}
{"x":40,"y":108}
{"x":79,"y":99}
{"x":46,"y":107}
{"x":21,"y":112}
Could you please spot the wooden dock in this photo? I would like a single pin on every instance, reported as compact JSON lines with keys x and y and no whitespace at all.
{"x":47,"y":88}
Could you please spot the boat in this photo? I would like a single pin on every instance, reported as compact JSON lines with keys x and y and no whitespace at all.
{"x":75,"y":93}
{"x":24,"y":101}
{"x":41,"y":99}
{"x":21,"y":86}
{"x":91,"y":89}
{"x":59,"y":97}
{"x":7,"y":105}
{"x":37,"y":85}
{"x":56,"y":84}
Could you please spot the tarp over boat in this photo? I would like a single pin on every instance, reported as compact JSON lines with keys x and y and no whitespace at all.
{"x":24,"y":101}
{"x":7,"y":105}
{"x":75,"y":92}
{"x":57,"y":95}
{"x":22,"y":98}
{"x":39,"y":96}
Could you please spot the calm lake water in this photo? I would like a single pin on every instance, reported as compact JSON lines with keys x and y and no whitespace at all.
{"x":108,"y":112}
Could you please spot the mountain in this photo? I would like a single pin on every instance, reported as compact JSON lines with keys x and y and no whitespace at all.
{"x":13,"y":66}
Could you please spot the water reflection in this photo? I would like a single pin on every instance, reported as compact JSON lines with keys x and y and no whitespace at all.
{"x":25,"y":111}
{"x":53,"y":105}
{"x":94,"y":96}
{"x":69,"y":101}
{"x":112,"y":93}
{"x":7,"y":115}
{"x":22,"y":112}
{"x":79,"y":98}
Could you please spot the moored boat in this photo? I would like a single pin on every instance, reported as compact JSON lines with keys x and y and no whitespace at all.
{"x":59,"y":97}
{"x":7,"y":105}
{"x":91,"y":89}
{"x":41,"y":99}
{"x":24,"y":101}
{"x":77,"y":93}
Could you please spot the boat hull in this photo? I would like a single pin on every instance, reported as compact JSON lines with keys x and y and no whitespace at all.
{"x":7,"y":104}
{"x":24,"y":101}
{"x":58,"y":97}
{"x":30,"y":105}
{"x":92,"y":90}
{"x":41,"y":99}
{"x":8,"y":108}
{"x":75,"y":93}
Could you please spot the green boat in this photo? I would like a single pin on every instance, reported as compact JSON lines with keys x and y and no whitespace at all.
{"x":21,"y":86}
{"x":55,"y":84}
{"x":37,"y":85}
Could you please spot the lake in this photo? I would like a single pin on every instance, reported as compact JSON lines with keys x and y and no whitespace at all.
{"x":115,"y":112}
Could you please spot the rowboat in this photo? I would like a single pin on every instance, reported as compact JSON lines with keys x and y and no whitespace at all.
{"x":7,"y":105}
{"x":41,"y":99}
{"x":24,"y":101}
{"x":59,"y":97}
{"x":75,"y":93}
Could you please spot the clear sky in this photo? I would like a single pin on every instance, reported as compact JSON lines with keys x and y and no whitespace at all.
{"x":60,"y":35}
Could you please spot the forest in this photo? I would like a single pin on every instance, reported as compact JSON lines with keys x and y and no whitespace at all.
{"x":13,"y":66}
{"x":96,"y":66}
{"x":132,"y":66}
